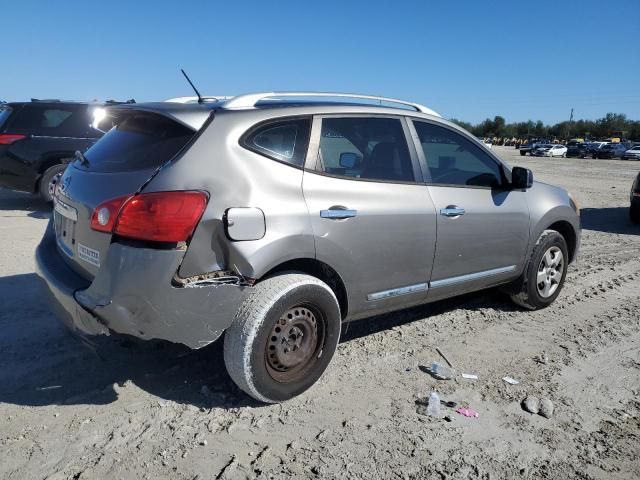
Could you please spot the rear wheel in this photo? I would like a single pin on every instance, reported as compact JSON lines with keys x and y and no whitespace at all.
{"x":49,"y":181}
{"x":634,"y":214}
{"x":283,"y":337}
{"x":523,"y":153}
{"x":545,"y":273}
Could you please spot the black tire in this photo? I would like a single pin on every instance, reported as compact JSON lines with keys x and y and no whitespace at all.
{"x":523,"y":153}
{"x":48,"y":180}
{"x":528,"y":295}
{"x":634,"y":214}
{"x":258,"y":345}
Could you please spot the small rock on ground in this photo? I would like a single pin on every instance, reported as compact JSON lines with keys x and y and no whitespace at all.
{"x":531,"y":404}
{"x":546,"y":408}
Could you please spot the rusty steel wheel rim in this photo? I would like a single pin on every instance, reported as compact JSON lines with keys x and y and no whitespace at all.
{"x":294,"y":343}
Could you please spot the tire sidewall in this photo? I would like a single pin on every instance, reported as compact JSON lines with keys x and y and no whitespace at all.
{"x":246,"y":341}
{"x":550,"y":240}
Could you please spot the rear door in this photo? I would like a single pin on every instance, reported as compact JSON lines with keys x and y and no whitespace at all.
{"x":372,"y":216}
{"x":119,"y":164}
{"x":483,"y":228}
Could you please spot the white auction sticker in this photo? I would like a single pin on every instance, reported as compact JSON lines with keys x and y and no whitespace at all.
{"x":89,"y":255}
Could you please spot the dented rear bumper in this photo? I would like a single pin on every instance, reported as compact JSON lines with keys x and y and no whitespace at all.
{"x":132,"y":294}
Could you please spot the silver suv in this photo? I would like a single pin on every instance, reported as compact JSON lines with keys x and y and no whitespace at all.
{"x":274,"y":218}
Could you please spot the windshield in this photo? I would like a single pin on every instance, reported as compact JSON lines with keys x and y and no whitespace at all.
{"x":139,"y":141}
{"x":5,"y":113}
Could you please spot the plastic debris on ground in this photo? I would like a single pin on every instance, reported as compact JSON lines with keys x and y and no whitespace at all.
{"x":467,"y":412}
{"x":433,"y":410}
{"x":511,"y":381}
{"x":442,"y":372}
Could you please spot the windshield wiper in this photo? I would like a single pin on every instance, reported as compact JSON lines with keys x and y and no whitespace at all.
{"x":83,"y":160}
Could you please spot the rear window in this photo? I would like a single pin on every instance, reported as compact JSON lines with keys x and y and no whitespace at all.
{"x":5,"y":113}
{"x":139,"y":141}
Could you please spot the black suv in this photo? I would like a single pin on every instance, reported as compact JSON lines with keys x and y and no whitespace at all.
{"x":634,"y":208}
{"x":578,"y":149}
{"x":38,"y":139}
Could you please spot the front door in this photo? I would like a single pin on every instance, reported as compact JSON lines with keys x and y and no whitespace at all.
{"x":373,"y":219}
{"x":483,"y":227}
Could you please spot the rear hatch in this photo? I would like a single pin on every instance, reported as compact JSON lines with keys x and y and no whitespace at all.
{"x":118,"y":165}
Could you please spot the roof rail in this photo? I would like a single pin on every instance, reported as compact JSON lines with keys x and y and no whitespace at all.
{"x":250,"y":100}
{"x":208,"y":98}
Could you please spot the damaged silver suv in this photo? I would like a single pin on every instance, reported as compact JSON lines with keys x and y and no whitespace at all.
{"x":273,"y":218}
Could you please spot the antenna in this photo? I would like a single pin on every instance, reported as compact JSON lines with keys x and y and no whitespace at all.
{"x":192,"y":86}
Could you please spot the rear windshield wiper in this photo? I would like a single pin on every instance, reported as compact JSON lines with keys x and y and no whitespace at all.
{"x":83,"y":160}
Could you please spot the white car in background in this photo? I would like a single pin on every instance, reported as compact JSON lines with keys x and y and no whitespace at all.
{"x":551,"y":151}
{"x":633,"y":153}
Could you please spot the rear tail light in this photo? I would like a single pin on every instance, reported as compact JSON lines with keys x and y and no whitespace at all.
{"x":158,"y":217}
{"x":9,"y":138}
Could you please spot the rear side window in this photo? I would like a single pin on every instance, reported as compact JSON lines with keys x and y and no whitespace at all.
{"x":139,"y":141}
{"x":372,"y":148}
{"x":49,"y":120}
{"x":455,"y":160}
{"x":285,"y":141}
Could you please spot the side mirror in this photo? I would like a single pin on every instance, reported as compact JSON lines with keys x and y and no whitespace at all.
{"x":521,"y":178}
{"x":348,"y":159}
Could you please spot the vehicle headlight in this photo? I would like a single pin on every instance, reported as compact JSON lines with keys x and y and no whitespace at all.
{"x":574,"y":203}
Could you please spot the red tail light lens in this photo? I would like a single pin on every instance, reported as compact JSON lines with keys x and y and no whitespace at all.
{"x":9,"y":138}
{"x":157,"y":217}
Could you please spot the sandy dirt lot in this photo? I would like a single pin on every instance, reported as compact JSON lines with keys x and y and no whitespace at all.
{"x":117,"y":410}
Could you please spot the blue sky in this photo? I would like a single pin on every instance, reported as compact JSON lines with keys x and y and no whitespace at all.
{"x":466,"y":59}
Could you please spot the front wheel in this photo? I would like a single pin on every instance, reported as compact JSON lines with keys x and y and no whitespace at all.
{"x":49,"y":181}
{"x":545,"y":273}
{"x":634,"y":214}
{"x":283,"y":337}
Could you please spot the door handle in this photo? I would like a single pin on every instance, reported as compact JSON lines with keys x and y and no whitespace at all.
{"x":338,"y":213}
{"x":452,"y":211}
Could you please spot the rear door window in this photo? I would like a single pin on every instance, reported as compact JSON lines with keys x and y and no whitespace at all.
{"x":453,"y":159}
{"x":139,"y":141}
{"x":52,"y":120}
{"x":371,"y":148}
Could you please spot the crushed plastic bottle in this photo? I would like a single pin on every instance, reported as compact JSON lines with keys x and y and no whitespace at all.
{"x":433,"y":409}
{"x":442,"y":371}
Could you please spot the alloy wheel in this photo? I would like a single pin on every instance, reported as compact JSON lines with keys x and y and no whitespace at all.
{"x":550,"y":272}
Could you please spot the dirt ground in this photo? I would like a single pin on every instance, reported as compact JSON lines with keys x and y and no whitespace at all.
{"x":118,"y":410}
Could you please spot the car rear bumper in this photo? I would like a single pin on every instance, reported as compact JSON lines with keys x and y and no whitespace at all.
{"x":132,"y":294}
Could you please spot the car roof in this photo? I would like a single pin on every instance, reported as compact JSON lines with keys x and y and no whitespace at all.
{"x":193,"y":114}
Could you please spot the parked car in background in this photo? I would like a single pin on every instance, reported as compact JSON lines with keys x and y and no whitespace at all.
{"x":276,"y":239}
{"x":610,"y":150}
{"x":634,"y":207}
{"x":633,"y":153}
{"x":485,"y":141}
{"x":578,"y":149}
{"x":550,"y":151}
{"x":39,"y":138}
{"x":529,"y":147}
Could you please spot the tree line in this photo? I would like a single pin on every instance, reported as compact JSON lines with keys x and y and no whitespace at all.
{"x":607,"y":126}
